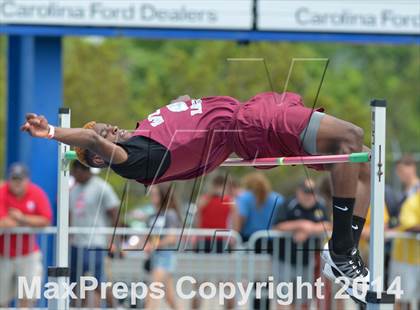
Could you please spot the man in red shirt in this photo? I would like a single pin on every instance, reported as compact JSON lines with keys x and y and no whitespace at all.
{"x":214,"y":211}
{"x":22,"y":203}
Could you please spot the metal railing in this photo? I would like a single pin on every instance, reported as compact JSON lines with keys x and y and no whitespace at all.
{"x":268,"y":256}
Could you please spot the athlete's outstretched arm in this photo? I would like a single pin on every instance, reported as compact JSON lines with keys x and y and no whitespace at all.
{"x":37,"y":126}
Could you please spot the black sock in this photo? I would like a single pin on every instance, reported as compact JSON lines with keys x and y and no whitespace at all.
{"x":342,"y":235}
{"x":357,"y":227}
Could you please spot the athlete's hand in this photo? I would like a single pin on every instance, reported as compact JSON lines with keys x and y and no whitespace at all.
{"x":36,"y":126}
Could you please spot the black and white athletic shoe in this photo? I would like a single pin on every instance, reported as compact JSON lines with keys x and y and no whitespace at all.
{"x":347,"y":270}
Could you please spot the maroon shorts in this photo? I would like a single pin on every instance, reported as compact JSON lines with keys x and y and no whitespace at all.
{"x":269,"y":125}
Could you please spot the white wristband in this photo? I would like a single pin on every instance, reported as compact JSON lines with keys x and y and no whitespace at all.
{"x":51,"y":132}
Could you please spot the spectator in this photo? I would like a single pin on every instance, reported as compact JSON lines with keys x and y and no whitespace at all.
{"x":406,"y":258}
{"x":161,"y":249}
{"x":93,"y":204}
{"x":305,"y":217}
{"x":22,"y":203}
{"x":256,"y":205}
{"x":215,"y":210}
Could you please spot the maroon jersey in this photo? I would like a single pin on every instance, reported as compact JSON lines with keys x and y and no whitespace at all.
{"x":200,"y":134}
{"x":195,"y":132}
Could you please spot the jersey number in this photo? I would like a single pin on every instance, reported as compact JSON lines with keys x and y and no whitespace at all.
{"x":196,"y":107}
{"x":155,"y":118}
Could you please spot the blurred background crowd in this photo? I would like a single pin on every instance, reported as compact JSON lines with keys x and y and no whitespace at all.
{"x":247,"y":205}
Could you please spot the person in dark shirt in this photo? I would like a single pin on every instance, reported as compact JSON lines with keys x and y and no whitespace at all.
{"x":307,"y":219}
{"x":191,"y":137}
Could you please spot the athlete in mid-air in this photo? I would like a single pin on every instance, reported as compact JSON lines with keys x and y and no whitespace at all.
{"x":191,"y":137}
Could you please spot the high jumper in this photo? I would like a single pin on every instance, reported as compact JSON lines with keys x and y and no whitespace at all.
{"x":191,"y":137}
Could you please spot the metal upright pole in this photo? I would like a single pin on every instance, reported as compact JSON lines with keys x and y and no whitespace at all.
{"x":61,"y":271}
{"x":376,"y":297}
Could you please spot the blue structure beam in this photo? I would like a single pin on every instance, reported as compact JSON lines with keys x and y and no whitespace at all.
{"x":35,"y":85}
{"x":189,"y":34}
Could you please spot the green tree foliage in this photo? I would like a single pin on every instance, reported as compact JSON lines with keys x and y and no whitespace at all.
{"x":121,"y":81}
{"x":95,"y":82}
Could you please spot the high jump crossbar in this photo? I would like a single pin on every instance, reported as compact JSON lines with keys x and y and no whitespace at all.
{"x":283,"y":161}
{"x":376,"y":297}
